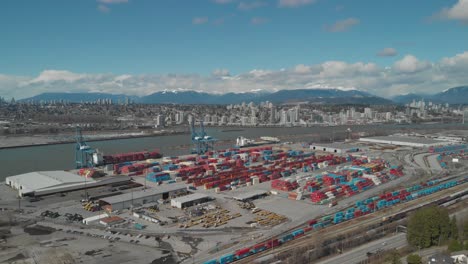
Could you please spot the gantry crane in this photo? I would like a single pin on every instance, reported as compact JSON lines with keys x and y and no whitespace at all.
{"x":83,"y":152}
{"x":201,"y":141}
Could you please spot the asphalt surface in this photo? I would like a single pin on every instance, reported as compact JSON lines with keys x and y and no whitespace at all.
{"x":360,"y":253}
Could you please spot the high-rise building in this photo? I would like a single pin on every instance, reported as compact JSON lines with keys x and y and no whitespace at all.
{"x":160,"y":121}
{"x":283,"y":117}
{"x":368,"y":112}
{"x":207,"y":119}
{"x":244,"y":120}
{"x":272,"y":115}
{"x":180,"y":117}
{"x":214,"y":119}
{"x":465,"y":116}
{"x":224,"y":120}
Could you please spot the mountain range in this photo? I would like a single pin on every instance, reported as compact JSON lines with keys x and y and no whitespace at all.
{"x":332,"y":96}
{"x":456,"y":95}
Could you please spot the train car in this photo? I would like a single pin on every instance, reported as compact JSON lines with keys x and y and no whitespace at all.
{"x":298,"y":233}
{"x":272,"y":243}
{"x":227,"y":259}
{"x":213,"y":261}
{"x":317,"y":226}
{"x":312,"y":222}
{"x":287,"y":238}
{"x":258,"y":248}
{"x":242,"y":253}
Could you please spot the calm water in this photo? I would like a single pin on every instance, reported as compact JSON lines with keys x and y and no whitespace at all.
{"x":59,"y":157}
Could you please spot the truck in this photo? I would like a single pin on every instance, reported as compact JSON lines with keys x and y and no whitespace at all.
{"x":138,"y":226}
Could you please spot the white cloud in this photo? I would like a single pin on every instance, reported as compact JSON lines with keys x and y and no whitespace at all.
{"x":259,"y":20}
{"x":406,"y":75}
{"x":294,"y":3}
{"x":387,"y":52}
{"x":103,"y":8}
{"x":301,"y":68}
{"x":343,"y":25}
{"x":54,"y":75}
{"x":458,"y":60}
{"x":222,"y":2}
{"x":199,"y":20}
{"x":220,"y":72}
{"x":112,"y":1}
{"x":458,"y":11}
{"x":410,"y":64}
{"x":245,"y":6}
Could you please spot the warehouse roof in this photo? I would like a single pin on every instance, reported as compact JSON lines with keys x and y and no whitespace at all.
{"x":47,"y":179}
{"x":145,"y":193}
{"x":190,"y":198}
{"x":249,"y":195}
{"x":337,"y":145}
{"x":417,"y":140}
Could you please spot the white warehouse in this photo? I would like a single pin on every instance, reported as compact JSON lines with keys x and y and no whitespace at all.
{"x":190,"y":200}
{"x":50,"y":182}
{"x":419,"y":142}
{"x":337,"y":147}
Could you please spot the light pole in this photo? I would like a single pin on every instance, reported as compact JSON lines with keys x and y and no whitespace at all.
{"x":19,"y":203}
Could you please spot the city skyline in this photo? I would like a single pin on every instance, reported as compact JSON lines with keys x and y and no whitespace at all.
{"x":139,"y":47}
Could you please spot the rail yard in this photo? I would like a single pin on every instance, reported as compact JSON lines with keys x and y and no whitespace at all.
{"x":245,"y":205}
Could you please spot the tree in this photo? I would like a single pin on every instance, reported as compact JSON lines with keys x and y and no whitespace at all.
{"x":393,"y":257}
{"x":455,"y":245}
{"x":428,"y":226}
{"x":465,"y":230}
{"x":414,"y":259}
{"x":453,"y":228}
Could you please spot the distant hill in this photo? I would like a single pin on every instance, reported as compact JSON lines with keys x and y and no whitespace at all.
{"x":455,"y":95}
{"x":332,"y":96}
{"x":408,"y":98}
{"x":193,"y":97}
{"x":78,"y":97}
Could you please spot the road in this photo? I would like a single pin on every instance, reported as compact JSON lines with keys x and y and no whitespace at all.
{"x":359,"y":254}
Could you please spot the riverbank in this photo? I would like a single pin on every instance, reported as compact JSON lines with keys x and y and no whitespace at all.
{"x":11,"y":142}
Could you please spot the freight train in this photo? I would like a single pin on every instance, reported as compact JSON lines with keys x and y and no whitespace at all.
{"x":326,"y":221}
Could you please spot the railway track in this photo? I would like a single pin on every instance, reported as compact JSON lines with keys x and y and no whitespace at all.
{"x":374,"y":219}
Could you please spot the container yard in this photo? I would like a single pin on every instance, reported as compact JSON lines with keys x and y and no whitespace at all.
{"x":262,"y":196}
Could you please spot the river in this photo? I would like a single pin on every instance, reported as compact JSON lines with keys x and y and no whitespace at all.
{"x":61,"y":157}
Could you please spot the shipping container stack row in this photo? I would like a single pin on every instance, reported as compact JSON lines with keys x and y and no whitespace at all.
{"x":279,"y":167}
{"x":284,"y":185}
{"x":389,"y":199}
{"x":133,"y":156}
{"x":448,"y":149}
{"x":350,"y":180}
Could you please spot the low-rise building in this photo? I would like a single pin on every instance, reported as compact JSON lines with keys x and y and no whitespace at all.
{"x":190,"y":200}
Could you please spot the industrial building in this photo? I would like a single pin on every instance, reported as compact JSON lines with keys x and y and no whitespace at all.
{"x":127,"y":200}
{"x":49,"y":182}
{"x":419,"y":142}
{"x":249,"y":196}
{"x":111,"y":221}
{"x":336,"y":147}
{"x":190,"y":200}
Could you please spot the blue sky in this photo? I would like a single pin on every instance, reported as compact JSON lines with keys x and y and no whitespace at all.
{"x":201,"y":38}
